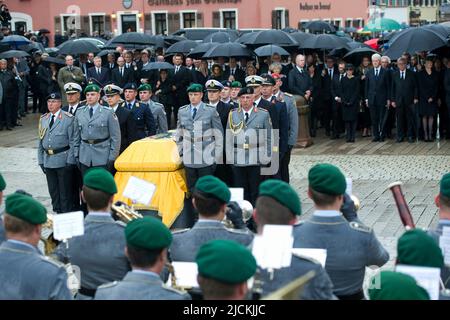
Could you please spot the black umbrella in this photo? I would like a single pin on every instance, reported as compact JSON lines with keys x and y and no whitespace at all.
{"x":289,"y":30}
{"x":320,"y":27}
{"x":15,"y":40}
{"x":220,"y":37}
{"x":184,"y":47}
{"x":158,"y":66}
{"x":78,"y":47}
{"x":105,"y":52}
{"x":264,"y":37}
{"x":54,"y":60}
{"x":134,"y":38}
{"x":33,"y":46}
{"x":438,"y":28}
{"x":269,"y":50}
{"x":171,"y":39}
{"x":350,"y":29}
{"x":13,"y":54}
{"x":349,"y":46}
{"x":201,"y":49}
{"x":324,"y":42}
{"x":301,"y":36}
{"x":230,"y":50}
{"x":43,"y":30}
{"x":245,"y":37}
{"x":414,"y":40}
{"x":356,"y":55}
{"x":159,"y":41}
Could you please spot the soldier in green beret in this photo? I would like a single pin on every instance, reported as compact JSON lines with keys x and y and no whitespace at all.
{"x":104,"y":260}
{"x":157,"y":109}
{"x":397,"y":286}
{"x":236,"y":86}
{"x":224,"y":266}
{"x":278,"y":203}
{"x":25,"y":274}
{"x":350,"y":245}
{"x":147,"y":240}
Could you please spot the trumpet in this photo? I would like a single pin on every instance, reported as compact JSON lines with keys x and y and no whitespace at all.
{"x":121,"y":211}
{"x":50,"y":243}
{"x":247,"y":212}
{"x":402,"y":206}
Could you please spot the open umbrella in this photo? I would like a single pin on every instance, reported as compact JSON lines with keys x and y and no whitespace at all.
{"x":171,"y":39}
{"x":13,"y":54}
{"x":43,"y":30}
{"x":134,"y":38}
{"x":382,"y":24}
{"x":15,"y":40}
{"x":414,"y":40}
{"x":289,"y":30}
{"x":184,"y":47}
{"x":105,"y":52}
{"x":320,"y":27}
{"x":33,"y":46}
{"x":438,"y":28}
{"x":301,"y":36}
{"x":264,"y":37}
{"x":350,"y":29}
{"x":245,"y":37}
{"x":201,"y":49}
{"x":324,"y":42}
{"x":220,"y":37}
{"x":230,"y":50}
{"x":349,"y":46}
{"x":356,"y":55}
{"x":158,"y":66}
{"x":54,"y":60}
{"x":373,"y":43}
{"x":78,"y":47}
{"x":269,"y":50}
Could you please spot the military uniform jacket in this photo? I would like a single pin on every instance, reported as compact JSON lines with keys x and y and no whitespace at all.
{"x":435,"y":234}
{"x":60,"y":135}
{"x":139,"y":286}
{"x":25,"y":274}
{"x":2,"y":230}
{"x":187,"y":242}
{"x":99,"y":252}
{"x":145,"y":123}
{"x":199,"y":140}
{"x":102,"y":125}
{"x":292,"y":116}
{"x":351,"y":247}
{"x":159,"y":116}
{"x":249,"y":144}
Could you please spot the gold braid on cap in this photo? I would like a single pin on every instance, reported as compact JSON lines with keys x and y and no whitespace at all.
{"x":235,"y":128}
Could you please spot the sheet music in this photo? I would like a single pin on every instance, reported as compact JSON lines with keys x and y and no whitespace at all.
{"x":273,"y":249}
{"x":237,"y":194}
{"x":68,"y":225}
{"x":426,"y":277}
{"x":320,"y":255}
{"x":444,"y":244}
{"x":349,"y":188}
{"x":185,"y":273}
{"x":140,"y":191}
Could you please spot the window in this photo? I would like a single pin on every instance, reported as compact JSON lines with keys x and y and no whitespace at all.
{"x":279,"y":19}
{"x":229,"y":19}
{"x":337,"y":22}
{"x":70,"y":23}
{"x":357,"y":23}
{"x":98,"y":24}
{"x":302,"y":24}
{"x":160,"y":23}
{"x":188,"y":19}
{"x":348,"y":22}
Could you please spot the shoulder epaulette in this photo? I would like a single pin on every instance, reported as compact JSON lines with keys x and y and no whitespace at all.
{"x":108,"y":285}
{"x":121,"y":223}
{"x":183,"y":107}
{"x":360,"y":227}
{"x":288,"y":94}
{"x":173,"y":290}
{"x":238,"y":231}
{"x":44,"y":115}
{"x":180,"y":231}
{"x":68,"y":114}
{"x":309,"y":259}
{"x":52,"y":261}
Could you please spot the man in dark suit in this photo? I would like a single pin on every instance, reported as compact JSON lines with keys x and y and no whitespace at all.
{"x":377,"y":96}
{"x":84,"y":64}
{"x":143,"y":74}
{"x":404,"y":95}
{"x":100,"y":74}
{"x":233,"y":70}
{"x":336,"y":93}
{"x":447,"y":96}
{"x":299,"y":81}
{"x":121,"y":75}
{"x":328,"y":75}
{"x":111,"y":63}
{"x":125,"y":117}
{"x":182,"y":78}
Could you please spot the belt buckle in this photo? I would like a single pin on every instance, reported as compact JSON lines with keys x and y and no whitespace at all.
{"x":50,"y":152}
{"x":275,"y":149}
{"x":91,"y":141}
{"x":246,"y":146}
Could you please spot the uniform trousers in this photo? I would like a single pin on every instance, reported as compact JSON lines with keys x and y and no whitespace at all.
{"x":60,"y":187}
{"x":249,"y":178}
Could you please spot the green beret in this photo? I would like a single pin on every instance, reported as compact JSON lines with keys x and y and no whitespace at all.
{"x":195,"y":87}
{"x":283,"y":193}
{"x":92,"y":88}
{"x":226,"y":261}
{"x":396,"y":286}
{"x":148,"y":233}
{"x":328,"y":179}
{"x":415,"y":247}
{"x":100,"y":179}
{"x":26,"y":208}
{"x":2,"y":183}
{"x":215,"y":187}
{"x":145,"y":87}
{"x":236,"y":84}
{"x":445,"y":185}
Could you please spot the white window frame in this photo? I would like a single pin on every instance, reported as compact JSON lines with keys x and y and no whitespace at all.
{"x":166,"y":12}
{"x":283,"y":16}
{"x":340,"y":21}
{"x":21,"y":17}
{"x":236,"y":11}
{"x":95,"y":14}
{"x":64,"y":15}
{"x":327,"y":20}
{"x":360,"y":20}
{"x":181,"y":12}
{"x":119,"y":15}
{"x":349,"y":20}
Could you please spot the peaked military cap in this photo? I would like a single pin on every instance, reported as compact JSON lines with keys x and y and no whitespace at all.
{"x":72,"y":87}
{"x":145,"y":87}
{"x":253,"y":81}
{"x":246,"y":90}
{"x":213,"y":85}
{"x":226,"y":83}
{"x":54,"y":96}
{"x":236,"y":84}
{"x":130,"y":86}
{"x":268,"y":80}
{"x":93,"y":87}
{"x":112,"y":89}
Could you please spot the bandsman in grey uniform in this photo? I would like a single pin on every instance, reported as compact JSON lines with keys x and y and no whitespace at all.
{"x":279,"y":204}
{"x":97,"y":133}
{"x":2,"y":188}
{"x":100,"y":252}
{"x":56,"y":153}
{"x":248,"y":143}
{"x":25,"y":274}
{"x":224,"y":267}
{"x":210,"y":199}
{"x":199,"y":136}
{"x":147,"y":242}
{"x":157,"y":109}
{"x":351,"y":246}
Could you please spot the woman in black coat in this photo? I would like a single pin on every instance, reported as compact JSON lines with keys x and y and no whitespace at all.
{"x":350,"y":102}
{"x":428,"y":82}
{"x":315,"y":100}
{"x":165,"y":94}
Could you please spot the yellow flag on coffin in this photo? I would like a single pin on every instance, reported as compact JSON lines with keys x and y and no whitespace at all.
{"x":155,"y":160}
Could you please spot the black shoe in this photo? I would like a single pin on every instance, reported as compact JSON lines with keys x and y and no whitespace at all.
{"x":1,"y":128}
{"x":399,"y":140}
{"x":9,"y":128}
{"x":381,"y":139}
{"x":375,"y":139}
{"x":410,"y":140}
{"x":327,"y":133}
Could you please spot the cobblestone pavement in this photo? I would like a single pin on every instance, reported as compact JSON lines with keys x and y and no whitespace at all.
{"x":372,"y":166}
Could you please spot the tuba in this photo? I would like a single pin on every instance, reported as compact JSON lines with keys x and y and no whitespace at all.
{"x":123,"y":212}
{"x":402,"y":205}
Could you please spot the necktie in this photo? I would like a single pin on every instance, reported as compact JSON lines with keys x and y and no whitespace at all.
{"x":177,"y":69}
{"x":98,"y":71}
{"x":403,"y":75}
{"x":246,"y":117}
{"x":121,"y":71}
{"x":232,"y":72}
{"x":376,"y":73}
{"x":340,"y":77}
{"x":330,"y":72}
{"x":52,"y":121}
{"x":129,"y":106}
{"x":91,"y":112}
{"x":111,"y":66}
{"x":70,"y":110}
{"x":194,"y":112}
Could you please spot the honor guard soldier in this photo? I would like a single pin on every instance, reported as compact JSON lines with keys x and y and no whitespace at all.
{"x":236,"y":86}
{"x":255,"y":83}
{"x":157,"y":109}
{"x":350,"y":245}
{"x":56,"y":153}
{"x":224,"y":267}
{"x":147,"y":242}
{"x":396,"y":286}
{"x":210,"y":199}
{"x":145,"y":123}
{"x":225,"y":93}
{"x":25,"y":274}
{"x":97,"y":138}
{"x":2,"y":188}
{"x":199,"y":137}
{"x":248,"y":143}
{"x":99,"y":253}
{"x":126,"y":119}
{"x":279,"y":204}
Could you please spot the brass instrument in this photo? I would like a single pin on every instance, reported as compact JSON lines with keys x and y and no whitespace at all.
{"x":356,"y":202}
{"x":292,"y":290}
{"x":247,"y":212}
{"x":50,"y":243}
{"x":121,"y":211}
{"x":402,"y":205}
